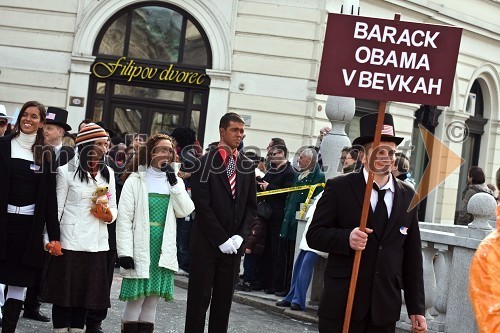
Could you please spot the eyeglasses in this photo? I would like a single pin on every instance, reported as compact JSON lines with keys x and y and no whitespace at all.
{"x":275,"y":153}
{"x":3,"y":123}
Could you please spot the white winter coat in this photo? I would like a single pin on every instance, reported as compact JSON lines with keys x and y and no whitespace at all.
{"x":309,"y":216}
{"x":132,"y":224}
{"x":80,"y":230}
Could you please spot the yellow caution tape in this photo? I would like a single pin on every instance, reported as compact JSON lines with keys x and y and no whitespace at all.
{"x":311,"y":189}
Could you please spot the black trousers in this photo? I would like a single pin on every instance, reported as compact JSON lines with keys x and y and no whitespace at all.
{"x":211,"y":282}
{"x":273,"y":265}
{"x":31,"y":301}
{"x":63,"y":317}
{"x":326,"y":325}
{"x":95,"y":317}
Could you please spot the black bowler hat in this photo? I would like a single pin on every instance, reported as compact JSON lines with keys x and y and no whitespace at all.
{"x":57,"y":116}
{"x":104,"y":127}
{"x":367,"y":126}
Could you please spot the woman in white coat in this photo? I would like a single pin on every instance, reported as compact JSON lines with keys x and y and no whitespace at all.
{"x":78,"y":280}
{"x":151,"y":200}
{"x":303,"y":267}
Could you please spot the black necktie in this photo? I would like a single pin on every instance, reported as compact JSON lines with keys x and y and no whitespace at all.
{"x":380,"y":215}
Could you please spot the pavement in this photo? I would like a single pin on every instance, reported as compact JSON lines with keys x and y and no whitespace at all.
{"x":263,"y":301}
{"x":252,"y":312}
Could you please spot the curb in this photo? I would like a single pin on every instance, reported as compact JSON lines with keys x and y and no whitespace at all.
{"x":260,"y":303}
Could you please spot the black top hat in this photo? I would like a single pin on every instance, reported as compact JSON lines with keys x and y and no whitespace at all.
{"x":367,"y":126}
{"x":57,"y":116}
{"x":104,"y":127}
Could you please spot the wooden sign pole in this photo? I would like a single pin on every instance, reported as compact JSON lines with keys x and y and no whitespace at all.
{"x":364,"y":217}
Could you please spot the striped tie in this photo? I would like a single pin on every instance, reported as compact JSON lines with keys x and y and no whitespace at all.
{"x":231,"y":175}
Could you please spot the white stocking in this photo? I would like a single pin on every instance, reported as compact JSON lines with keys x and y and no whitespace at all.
{"x":2,"y":298}
{"x":133,"y":310}
{"x":148,"y":313}
{"x":15,"y":293}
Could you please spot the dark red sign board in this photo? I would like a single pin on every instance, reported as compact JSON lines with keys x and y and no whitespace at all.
{"x":388,"y":60}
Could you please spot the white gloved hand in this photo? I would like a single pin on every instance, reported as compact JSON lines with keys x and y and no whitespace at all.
{"x":228,"y":247}
{"x":237,"y":241}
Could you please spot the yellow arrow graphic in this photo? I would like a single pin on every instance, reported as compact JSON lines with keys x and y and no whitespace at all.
{"x":442,"y":162}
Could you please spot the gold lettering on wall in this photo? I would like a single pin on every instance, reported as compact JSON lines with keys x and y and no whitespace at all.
{"x":131,"y":71}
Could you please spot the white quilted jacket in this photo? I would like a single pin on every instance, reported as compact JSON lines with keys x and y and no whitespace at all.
{"x":132,"y":225}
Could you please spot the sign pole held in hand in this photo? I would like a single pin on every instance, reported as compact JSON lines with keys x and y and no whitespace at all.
{"x":364,"y":219}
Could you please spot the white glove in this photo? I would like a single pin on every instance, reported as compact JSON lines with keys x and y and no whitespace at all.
{"x":228,"y":247}
{"x":237,"y":240}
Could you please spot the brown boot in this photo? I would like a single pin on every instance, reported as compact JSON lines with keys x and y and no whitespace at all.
{"x":129,"y":326}
{"x":145,"y":327}
{"x":11,"y":311}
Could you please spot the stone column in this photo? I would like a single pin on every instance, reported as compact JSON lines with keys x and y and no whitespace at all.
{"x":429,"y":252}
{"x":218,"y":102}
{"x":442,"y":266}
{"x":340,"y":111}
{"x":482,"y":206}
{"x":79,"y":78}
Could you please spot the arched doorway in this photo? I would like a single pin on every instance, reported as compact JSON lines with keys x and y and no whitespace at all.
{"x":149,"y":74}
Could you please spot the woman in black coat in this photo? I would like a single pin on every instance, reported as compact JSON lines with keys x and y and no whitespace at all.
{"x":27,"y":205}
{"x":280,"y":175}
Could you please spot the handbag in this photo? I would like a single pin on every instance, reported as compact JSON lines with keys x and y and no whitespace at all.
{"x":264,"y":210}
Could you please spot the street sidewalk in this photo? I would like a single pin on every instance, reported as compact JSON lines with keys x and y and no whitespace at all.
{"x":263,"y":301}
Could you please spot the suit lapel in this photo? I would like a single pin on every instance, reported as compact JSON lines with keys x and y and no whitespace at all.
{"x":359,"y":187}
{"x":399,"y":192}
{"x":244,"y":166}
{"x":220,"y":170}
{"x":65,"y":155}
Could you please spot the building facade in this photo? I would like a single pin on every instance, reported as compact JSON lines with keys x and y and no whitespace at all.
{"x":147,"y":66}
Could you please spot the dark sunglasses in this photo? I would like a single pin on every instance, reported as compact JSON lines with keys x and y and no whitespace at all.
{"x":3,"y":123}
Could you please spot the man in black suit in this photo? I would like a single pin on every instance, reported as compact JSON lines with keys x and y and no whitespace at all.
{"x":391,"y":260}
{"x":54,"y":128}
{"x":224,"y":193}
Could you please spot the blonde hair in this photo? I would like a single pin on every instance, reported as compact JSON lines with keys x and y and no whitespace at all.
{"x":68,"y":141}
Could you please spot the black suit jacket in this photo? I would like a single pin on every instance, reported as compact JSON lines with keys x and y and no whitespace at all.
{"x":388,"y":264}
{"x":65,"y":155}
{"x":45,"y":209}
{"x":218,"y":215}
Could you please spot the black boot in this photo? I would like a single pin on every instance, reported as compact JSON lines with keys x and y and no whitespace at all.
{"x":94,"y":329}
{"x":35,"y":314}
{"x":129,"y":326}
{"x":145,"y":327}
{"x":11,"y":311}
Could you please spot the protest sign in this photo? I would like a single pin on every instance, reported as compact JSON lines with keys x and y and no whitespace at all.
{"x":388,"y":60}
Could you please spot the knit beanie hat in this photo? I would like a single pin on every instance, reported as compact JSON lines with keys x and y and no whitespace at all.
{"x":91,"y":132}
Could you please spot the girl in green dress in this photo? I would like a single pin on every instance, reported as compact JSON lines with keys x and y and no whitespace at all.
{"x":151,"y":200}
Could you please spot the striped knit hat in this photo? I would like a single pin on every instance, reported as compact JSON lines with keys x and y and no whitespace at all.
{"x":89,"y":133}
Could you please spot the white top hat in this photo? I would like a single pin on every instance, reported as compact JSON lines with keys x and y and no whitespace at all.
{"x":3,"y":113}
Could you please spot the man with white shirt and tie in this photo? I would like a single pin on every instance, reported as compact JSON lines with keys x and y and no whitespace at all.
{"x":391,"y":260}
{"x":224,"y":193}
{"x":54,"y":130}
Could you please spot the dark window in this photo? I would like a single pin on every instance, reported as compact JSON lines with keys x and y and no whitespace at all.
{"x":156,"y":34}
